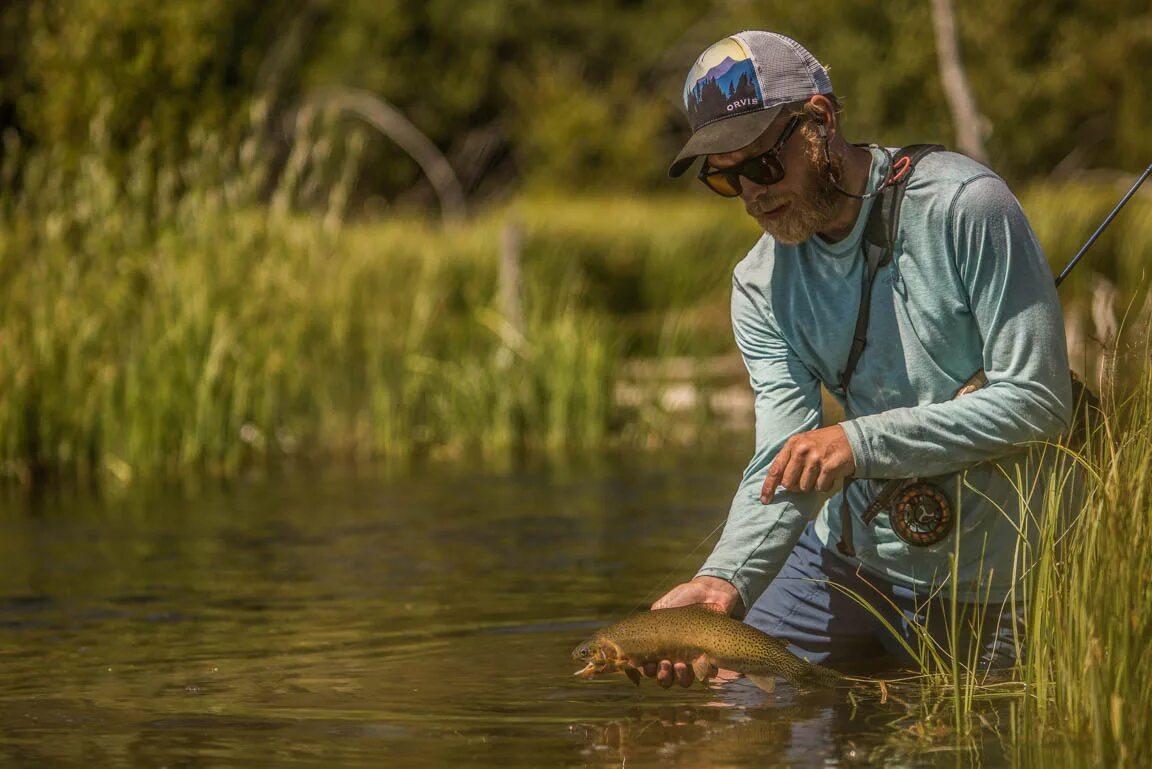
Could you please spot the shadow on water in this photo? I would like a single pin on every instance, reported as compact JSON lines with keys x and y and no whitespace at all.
{"x":421,"y":621}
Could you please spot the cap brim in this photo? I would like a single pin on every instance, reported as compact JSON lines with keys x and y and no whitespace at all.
{"x":727,"y":135}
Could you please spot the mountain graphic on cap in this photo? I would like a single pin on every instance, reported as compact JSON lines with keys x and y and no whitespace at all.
{"x":727,"y":88}
{"x":737,"y":88}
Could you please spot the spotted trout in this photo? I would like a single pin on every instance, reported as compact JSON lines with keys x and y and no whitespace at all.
{"x":701,"y":636}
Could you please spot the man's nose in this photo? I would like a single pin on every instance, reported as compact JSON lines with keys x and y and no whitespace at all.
{"x":750,"y":190}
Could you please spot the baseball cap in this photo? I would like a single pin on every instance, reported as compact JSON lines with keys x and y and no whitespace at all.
{"x":737,"y":88}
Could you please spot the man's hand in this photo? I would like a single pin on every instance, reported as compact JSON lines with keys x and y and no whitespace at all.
{"x":711,"y":590}
{"x":810,"y":461}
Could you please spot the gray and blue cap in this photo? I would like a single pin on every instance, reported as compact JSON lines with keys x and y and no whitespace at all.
{"x":737,"y":88}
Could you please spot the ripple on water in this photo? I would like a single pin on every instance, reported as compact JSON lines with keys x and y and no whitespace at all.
{"x":379,"y":624}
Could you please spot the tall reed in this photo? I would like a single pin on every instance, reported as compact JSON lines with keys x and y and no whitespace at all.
{"x":1082,"y":691}
{"x":1089,"y":664}
{"x":202,"y":315}
{"x":163,"y":318}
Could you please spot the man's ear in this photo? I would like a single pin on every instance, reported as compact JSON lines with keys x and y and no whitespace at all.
{"x":823,"y":116}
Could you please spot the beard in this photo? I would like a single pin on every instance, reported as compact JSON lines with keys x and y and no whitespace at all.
{"x":811,"y":210}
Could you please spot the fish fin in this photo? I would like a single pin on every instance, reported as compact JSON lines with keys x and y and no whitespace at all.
{"x":633,"y":674}
{"x":702,"y":667}
{"x":724,"y":676}
{"x":765,"y":682}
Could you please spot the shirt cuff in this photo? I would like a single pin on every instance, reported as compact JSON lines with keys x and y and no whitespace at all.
{"x":748,"y":593}
{"x":859,"y":446}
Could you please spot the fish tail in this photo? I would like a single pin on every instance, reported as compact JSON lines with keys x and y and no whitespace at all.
{"x":823,"y":676}
{"x":805,"y":673}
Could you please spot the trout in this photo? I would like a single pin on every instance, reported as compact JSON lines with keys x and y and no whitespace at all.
{"x":703,"y":637}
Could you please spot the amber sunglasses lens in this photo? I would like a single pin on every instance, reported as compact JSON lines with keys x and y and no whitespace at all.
{"x":721,"y":184}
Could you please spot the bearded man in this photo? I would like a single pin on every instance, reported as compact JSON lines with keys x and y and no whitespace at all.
{"x":966,"y":288}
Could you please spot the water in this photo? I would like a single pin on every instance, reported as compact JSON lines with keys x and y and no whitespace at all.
{"x":356,"y":620}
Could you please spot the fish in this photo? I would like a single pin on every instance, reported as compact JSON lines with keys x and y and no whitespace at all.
{"x":702,"y":635}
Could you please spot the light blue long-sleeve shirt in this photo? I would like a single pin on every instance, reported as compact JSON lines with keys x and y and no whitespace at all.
{"x":968,"y":288}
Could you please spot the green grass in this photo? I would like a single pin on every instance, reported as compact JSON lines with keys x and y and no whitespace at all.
{"x":1082,"y":693}
{"x":1089,"y":668}
{"x":170,"y":322}
{"x":164,"y":319}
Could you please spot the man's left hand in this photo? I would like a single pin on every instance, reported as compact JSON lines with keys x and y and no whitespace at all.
{"x":810,"y":461}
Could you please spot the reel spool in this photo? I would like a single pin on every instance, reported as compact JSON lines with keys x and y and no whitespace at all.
{"x":921,"y":514}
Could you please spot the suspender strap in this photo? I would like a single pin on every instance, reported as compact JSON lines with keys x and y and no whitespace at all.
{"x":875,"y":257}
{"x":879,"y":241}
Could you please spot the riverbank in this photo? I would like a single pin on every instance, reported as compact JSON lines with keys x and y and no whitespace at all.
{"x":149,"y":333}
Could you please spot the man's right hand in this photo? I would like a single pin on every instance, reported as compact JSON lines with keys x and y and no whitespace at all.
{"x":711,"y":590}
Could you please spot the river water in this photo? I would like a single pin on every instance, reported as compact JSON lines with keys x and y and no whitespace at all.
{"x":354,"y":619}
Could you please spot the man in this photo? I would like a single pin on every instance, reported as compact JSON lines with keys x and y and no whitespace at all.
{"x":966,"y":288}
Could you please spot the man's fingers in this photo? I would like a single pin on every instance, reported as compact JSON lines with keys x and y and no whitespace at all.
{"x":768,"y":490}
{"x":810,"y":476}
{"x":828,"y":478}
{"x":775,"y":473}
{"x":667,"y":672}
{"x":673,"y":597}
{"x":791,"y":477}
{"x":812,"y":460}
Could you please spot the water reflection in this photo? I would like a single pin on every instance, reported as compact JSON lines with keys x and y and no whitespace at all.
{"x":741,"y":726}
{"x":421,"y":621}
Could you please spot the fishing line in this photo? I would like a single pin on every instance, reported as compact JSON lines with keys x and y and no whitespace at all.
{"x":647,"y":600}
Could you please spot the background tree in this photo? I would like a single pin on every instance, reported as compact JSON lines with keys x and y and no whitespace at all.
{"x":534,"y":94}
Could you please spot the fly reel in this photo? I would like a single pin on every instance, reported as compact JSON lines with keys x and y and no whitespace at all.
{"x":918,"y":511}
{"x":921,"y":514}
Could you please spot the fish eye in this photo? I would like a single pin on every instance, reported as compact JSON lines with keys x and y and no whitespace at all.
{"x":583,"y":651}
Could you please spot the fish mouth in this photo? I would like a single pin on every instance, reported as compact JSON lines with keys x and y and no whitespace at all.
{"x":589,"y":651}
{"x":598,"y":658}
{"x":595,"y":650}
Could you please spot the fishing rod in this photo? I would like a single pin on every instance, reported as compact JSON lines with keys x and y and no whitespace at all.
{"x":1105,"y":223}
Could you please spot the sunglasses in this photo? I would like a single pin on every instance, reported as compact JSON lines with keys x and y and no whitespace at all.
{"x":763,"y":169}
